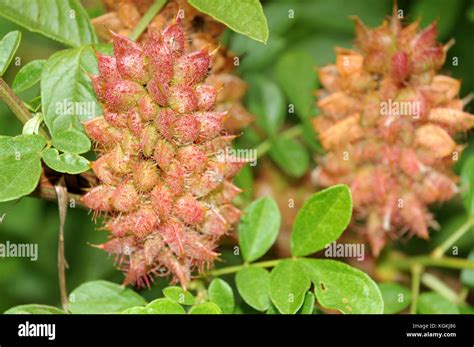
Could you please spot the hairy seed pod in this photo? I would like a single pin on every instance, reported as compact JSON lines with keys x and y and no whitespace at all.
{"x":203,"y":36}
{"x":164,"y":189}
{"x":388,"y":122}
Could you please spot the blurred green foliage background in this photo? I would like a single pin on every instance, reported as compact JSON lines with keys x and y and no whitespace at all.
{"x":318,"y":26}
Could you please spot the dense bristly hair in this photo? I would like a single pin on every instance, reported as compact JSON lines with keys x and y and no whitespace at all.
{"x":387,"y":123}
{"x":165,"y":189}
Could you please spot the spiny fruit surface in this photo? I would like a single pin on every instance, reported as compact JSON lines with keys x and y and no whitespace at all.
{"x":202,"y":31}
{"x":165,"y":186}
{"x":388,"y":124}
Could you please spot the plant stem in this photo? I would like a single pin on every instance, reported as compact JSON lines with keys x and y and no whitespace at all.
{"x":407,"y":263}
{"x":61,"y":192}
{"x":48,"y":193}
{"x":290,"y":133}
{"x":146,"y":19}
{"x":438,"y":286}
{"x":415,"y":286}
{"x":16,"y":105}
{"x":451,"y":240}
{"x":446,"y":262}
{"x":14,"y":102}
{"x":237,"y":268}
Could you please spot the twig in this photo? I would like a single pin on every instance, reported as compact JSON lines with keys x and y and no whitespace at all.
{"x":146,"y":19}
{"x":61,"y":192}
{"x":16,"y":105}
{"x":48,"y":193}
{"x":438,"y":286}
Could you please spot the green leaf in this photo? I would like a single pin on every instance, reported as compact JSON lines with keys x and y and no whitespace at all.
{"x":63,"y":20}
{"x":178,"y":295}
{"x":288,"y":286}
{"x":244,"y":180}
{"x":467,"y":185}
{"x":310,"y":137}
{"x":103,"y":297}
{"x":267,"y":102}
{"x":396,"y":297}
{"x":220,"y":293}
{"x":296,"y":75}
{"x":68,"y":98}
{"x":467,"y":275}
{"x":136,"y":310}
{"x":205,"y":308}
{"x":165,"y":306}
{"x":341,"y":287}
{"x":32,"y":126}
{"x":34,"y":105}
{"x":20,"y":165}
{"x":244,"y":16}
{"x":66,"y":162}
{"x":34,"y":309}
{"x":259,"y":228}
{"x":105,"y":48}
{"x":434,"y":303}
{"x":321,"y":220}
{"x":290,"y":156}
{"x":28,"y":76}
{"x":72,"y":140}
{"x":308,"y":304}
{"x":253,"y":285}
{"x":8,"y":46}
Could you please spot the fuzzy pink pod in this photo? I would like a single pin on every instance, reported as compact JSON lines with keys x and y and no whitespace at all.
{"x":399,"y":162}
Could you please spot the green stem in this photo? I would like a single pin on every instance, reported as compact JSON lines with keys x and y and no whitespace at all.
{"x":407,"y":263}
{"x":451,"y":240}
{"x":290,"y":133}
{"x":237,"y":268}
{"x":416,"y":271}
{"x":146,"y":19}
{"x":47,"y":192}
{"x":446,"y":262}
{"x":438,"y":286}
{"x":16,"y":105}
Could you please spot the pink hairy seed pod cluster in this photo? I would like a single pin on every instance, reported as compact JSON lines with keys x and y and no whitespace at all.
{"x":396,"y":163}
{"x":164,"y":190}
